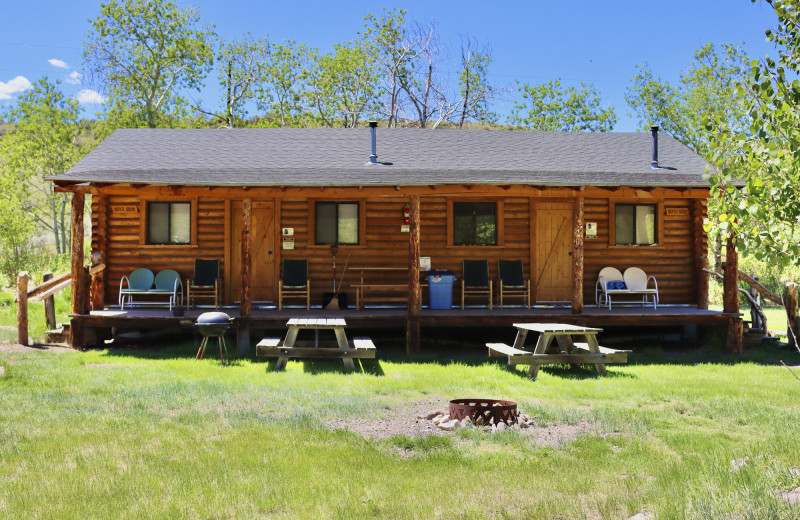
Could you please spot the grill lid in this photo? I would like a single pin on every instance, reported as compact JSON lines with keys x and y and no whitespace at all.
{"x":217,"y":318}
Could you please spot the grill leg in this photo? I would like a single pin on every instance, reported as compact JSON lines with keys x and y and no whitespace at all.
{"x":202,"y":348}
{"x":223,"y":344}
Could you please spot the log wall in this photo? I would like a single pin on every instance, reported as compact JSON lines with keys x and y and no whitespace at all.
{"x":672,"y":262}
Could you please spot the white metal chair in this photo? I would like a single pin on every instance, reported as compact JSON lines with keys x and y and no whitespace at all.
{"x":609,"y":282}
{"x":638,"y":282}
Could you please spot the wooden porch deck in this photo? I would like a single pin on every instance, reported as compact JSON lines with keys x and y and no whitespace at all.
{"x":372,"y":318}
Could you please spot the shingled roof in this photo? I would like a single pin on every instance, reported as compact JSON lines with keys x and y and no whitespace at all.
{"x":340,"y":157}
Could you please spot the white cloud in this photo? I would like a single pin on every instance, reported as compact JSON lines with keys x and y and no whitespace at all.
{"x":74,"y":78}
{"x":86,"y":96}
{"x":61,"y":64}
{"x":18,"y":84}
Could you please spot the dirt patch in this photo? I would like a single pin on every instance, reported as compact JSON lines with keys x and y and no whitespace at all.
{"x":7,"y":327}
{"x":403,"y":421}
{"x":16,"y":347}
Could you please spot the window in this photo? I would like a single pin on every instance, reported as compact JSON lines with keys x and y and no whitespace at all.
{"x":169,"y":222}
{"x":475,"y":223}
{"x":635,"y":224}
{"x":336,"y":223}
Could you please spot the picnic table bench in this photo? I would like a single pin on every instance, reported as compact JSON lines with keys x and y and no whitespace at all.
{"x":563,"y":351}
{"x":290,"y":347}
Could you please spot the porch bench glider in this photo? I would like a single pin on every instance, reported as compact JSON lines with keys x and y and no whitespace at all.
{"x":361,"y":347}
{"x":635,"y":282}
{"x":381,"y":293}
{"x":141,"y":282}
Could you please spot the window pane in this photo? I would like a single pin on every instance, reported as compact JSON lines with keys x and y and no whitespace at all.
{"x":158,"y":223}
{"x":326,"y":223}
{"x":646,"y":224}
{"x":348,"y":223}
{"x":485,"y":224}
{"x":180,"y":224}
{"x":474,"y":223}
{"x":624,"y":224}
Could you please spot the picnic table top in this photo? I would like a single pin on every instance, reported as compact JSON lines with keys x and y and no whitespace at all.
{"x":316,"y":323}
{"x":557,"y":327}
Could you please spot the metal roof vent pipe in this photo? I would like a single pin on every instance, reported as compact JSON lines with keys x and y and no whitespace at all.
{"x":373,"y":145}
{"x":654,"y":161}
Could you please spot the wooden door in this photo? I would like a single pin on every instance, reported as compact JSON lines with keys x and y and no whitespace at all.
{"x":553,"y":257}
{"x":262,"y":280}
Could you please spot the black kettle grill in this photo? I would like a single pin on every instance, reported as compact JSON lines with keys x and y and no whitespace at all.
{"x":213,"y":325}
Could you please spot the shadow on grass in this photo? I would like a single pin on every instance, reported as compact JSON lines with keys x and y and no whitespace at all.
{"x":467,"y":347}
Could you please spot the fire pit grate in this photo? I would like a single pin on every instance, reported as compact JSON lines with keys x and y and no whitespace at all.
{"x":500,"y":411}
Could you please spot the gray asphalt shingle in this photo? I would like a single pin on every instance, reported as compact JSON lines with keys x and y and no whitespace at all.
{"x":339,"y":157}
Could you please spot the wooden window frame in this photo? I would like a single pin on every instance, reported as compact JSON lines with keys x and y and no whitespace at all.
{"x":612,"y":222}
{"x":145,"y":216}
{"x":312,"y":223}
{"x":500,"y":224}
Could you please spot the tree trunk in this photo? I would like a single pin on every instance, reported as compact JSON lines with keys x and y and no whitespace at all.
{"x":229,"y":113}
{"x":56,"y":228}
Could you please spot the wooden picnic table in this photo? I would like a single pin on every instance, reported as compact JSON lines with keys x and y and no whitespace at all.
{"x":290,"y":347}
{"x":563,"y":350}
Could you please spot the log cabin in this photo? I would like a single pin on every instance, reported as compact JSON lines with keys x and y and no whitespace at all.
{"x":565,"y":204}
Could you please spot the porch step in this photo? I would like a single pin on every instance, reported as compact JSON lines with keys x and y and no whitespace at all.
{"x":58,"y":335}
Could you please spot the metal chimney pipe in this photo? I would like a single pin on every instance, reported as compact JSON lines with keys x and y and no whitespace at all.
{"x":373,"y":148}
{"x":654,"y":161}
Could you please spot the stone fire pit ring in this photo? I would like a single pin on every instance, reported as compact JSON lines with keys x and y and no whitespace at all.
{"x":500,"y":411}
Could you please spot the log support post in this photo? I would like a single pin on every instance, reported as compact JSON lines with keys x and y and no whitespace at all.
{"x":22,"y":308}
{"x":242,"y":326}
{"x":414,"y":296}
{"x":78,"y":285}
{"x":97,"y":288}
{"x":700,"y":252}
{"x":577,"y":256}
{"x":731,"y":296}
{"x":49,"y":304}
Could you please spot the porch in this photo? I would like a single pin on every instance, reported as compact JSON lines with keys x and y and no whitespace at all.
{"x":97,"y":325}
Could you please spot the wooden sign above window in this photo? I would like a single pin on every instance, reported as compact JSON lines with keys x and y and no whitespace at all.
{"x":125,"y":210}
{"x":677,"y":212}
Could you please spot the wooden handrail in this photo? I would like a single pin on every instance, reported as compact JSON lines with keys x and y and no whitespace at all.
{"x":754,"y":284}
{"x":42,"y":292}
{"x":99,"y":268}
{"x":46,"y":286}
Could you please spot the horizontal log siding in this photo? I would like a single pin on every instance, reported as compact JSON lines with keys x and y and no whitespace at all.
{"x":672,"y":263}
{"x":383,"y":244}
{"x":124,"y":252}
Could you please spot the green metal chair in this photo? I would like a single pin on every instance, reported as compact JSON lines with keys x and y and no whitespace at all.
{"x":168,"y":282}
{"x":294,"y":282}
{"x":140,"y":281}
{"x":475,"y":281}
{"x":206,"y":283}
{"x":513,"y":282}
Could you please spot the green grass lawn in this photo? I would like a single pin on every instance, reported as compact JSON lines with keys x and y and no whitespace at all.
{"x":151,"y":434}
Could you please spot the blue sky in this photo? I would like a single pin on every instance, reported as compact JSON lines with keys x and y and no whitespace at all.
{"x":598,"y":42}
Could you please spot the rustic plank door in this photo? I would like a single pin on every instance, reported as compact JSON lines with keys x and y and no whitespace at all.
{"x":553,"y":236}
{"x":263,"y":278}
